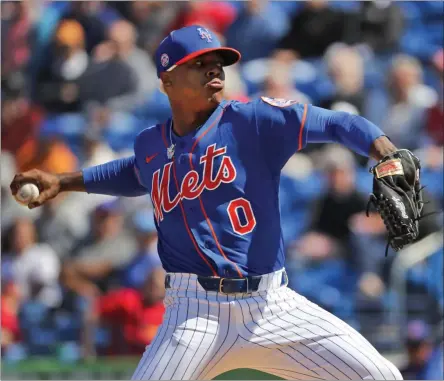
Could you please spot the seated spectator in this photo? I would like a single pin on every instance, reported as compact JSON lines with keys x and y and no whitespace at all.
{"x":346,"y":70}
{"x":420,"y":350}
{"x":312,"y":31}
{"x":71,"y":80}
{"x":62,"y":224}
{"x":35,"y":266}
{"x":92,"y":267}
{"x":57,"y":87}
{"x":257,"y":28}
{"x":379,"y":26}
{"x":95,"y":86}
{"x":20,"y":118}
{"x":123,"y":36}
{"x":16,"y":37}
{"x":87,"y":14}
{"x":435,"y":114}
{"x":133,"y":315}
{"x":146,"y":260}
{"x":400,"y":112}
{"x":329,"y":231}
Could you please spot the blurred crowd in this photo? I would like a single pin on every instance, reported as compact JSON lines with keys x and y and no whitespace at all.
{"x":81,"y":276}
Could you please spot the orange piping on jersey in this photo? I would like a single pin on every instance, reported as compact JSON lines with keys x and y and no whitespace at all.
{"x":196,"y":246}
{"x":304,"y":116}
{"x":190,"y":234}
{"x":213,"y":233}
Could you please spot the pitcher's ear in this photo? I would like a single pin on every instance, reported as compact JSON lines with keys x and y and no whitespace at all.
{"x":166,"y":79}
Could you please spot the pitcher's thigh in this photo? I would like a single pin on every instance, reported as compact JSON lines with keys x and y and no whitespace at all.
{"x":351,"y":347}
{"x":336,"y":348}
{"x":307,"y":338}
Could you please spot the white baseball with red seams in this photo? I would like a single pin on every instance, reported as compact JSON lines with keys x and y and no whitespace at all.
{"x":27,"y":193}
{"x":274,"y":330}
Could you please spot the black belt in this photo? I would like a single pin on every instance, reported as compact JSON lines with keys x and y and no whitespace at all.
{"x":246,"y":285}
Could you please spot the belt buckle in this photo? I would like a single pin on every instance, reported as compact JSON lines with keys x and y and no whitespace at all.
{"x":221,"y":284}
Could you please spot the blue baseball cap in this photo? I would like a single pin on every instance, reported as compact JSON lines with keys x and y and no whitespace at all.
{"x":184,"y":44}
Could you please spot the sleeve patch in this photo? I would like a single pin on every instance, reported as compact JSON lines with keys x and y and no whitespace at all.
{"x":278,"y":102}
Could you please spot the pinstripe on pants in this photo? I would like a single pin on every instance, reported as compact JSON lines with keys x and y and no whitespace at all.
{"x":274,"y":330}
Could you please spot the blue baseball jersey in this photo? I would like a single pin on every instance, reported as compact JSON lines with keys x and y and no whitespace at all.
{"x":216,"y":201}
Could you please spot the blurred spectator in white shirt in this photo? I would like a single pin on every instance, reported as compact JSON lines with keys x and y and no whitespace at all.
{"x":346,"y":69}
{"x":400,"y":112}
{"x":35,"y":265}
{"x":57,"y":89}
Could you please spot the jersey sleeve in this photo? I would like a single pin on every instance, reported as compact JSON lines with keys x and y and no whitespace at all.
{"x":119,"y":177}
{"x":280,"y":127}
{"x":285,"y":126}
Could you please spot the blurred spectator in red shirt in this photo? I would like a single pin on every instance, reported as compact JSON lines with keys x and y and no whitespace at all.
{"x":435,"y":114}
{"x":20,"y":119}
{"x":16,"y":28}
{"x":133,"y":316}
{"x":215,"y":15}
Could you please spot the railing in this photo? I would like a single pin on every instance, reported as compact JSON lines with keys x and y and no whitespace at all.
{"x":397,"y":314}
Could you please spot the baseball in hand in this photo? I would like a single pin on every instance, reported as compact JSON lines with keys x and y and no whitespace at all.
{"x":27,"y":193}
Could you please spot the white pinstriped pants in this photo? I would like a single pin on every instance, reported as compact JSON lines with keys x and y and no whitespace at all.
{"x":274,"y":330}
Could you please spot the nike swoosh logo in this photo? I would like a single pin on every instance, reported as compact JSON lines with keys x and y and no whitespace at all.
{"x":149,"y":158}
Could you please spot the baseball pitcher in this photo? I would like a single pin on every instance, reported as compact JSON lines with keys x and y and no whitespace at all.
{"x":212,"y":172}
